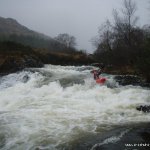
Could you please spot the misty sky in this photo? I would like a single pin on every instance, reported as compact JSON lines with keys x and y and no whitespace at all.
{"x":80,"y":18}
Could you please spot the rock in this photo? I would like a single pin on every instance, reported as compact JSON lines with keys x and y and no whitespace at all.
{"x":15,"y":57}
{"x":25,"y":78}
{"x":131,"y":80}
{"x":145,"y":108}
{"x":32,"y":61}
{"x":15,"y":63}
{"x":128,"y":80}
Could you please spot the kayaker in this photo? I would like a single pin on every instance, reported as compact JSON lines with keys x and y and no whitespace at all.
{"x":98,"y":72}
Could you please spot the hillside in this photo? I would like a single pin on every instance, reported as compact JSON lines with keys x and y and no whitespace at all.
{"x":21,"y":48}
{"x":11,"y":30}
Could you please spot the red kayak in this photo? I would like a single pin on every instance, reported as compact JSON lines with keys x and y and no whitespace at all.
{"x":101,"y":80}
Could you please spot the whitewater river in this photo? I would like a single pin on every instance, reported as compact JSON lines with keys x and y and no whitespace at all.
{"x":56,"y":108}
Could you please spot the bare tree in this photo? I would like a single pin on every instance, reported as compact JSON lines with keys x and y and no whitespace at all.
{"x":149,"y":7}
{"x":127,"y":21}
{"x":119,"y":40}
{"x":66,"y":39}
{"x":103,"y":42}
{"x":121,"y":31}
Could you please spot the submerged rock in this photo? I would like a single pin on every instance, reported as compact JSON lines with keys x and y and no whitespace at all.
{"x":145,"y":108}
{"x":25,"y":78}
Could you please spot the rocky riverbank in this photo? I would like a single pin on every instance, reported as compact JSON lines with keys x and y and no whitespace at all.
{"x":15,"y":57}
{"x":127,"y":75}
{"x":14,"y":63}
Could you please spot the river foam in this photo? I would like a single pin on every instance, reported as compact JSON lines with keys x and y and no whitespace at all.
{"x":45,"y":108}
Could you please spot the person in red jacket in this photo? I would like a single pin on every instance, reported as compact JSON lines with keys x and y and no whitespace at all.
{"x":97,"y":73}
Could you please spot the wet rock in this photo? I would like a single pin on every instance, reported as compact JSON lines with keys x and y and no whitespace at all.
{"x":128,"y":80}
{"x":12,"y":64}
{"x":145,"y":108}
{"x":131,"y":80}
{"x":32,"y":61}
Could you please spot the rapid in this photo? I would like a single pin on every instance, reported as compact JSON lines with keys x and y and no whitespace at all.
{"x":51,"y":108}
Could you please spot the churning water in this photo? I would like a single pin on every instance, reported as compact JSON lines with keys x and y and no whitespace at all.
{"x":51,"y":107}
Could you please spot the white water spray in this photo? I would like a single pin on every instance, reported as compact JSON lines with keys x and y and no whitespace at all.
{"x":44,"y":108}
